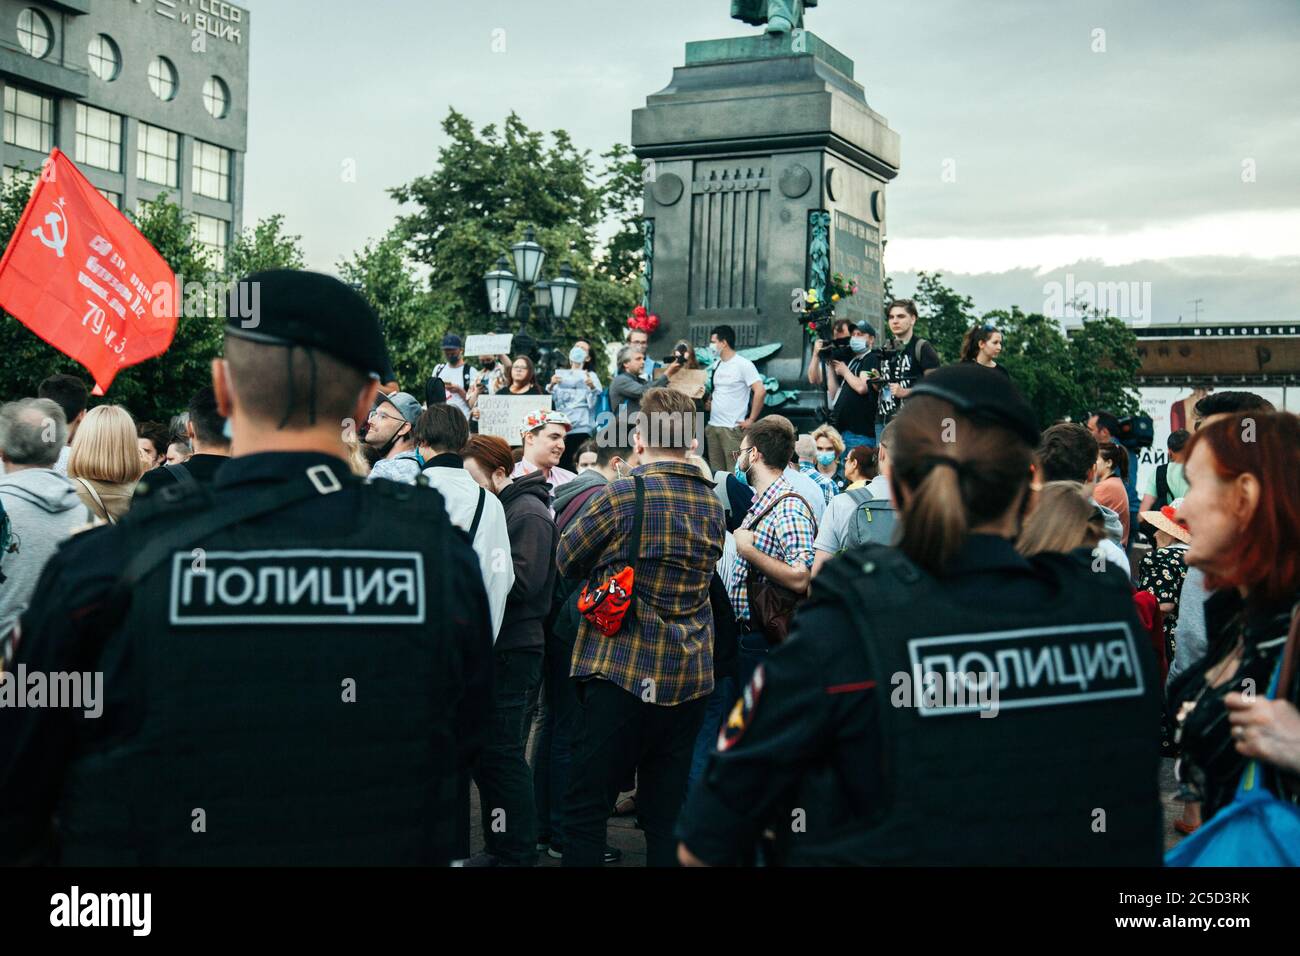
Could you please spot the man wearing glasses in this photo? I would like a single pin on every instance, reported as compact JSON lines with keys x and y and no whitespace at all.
{"x":389,"y":436}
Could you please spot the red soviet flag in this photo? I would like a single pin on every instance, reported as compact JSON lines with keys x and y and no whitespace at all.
{"x":80,"y":276}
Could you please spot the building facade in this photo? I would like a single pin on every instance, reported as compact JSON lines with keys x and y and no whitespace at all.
{"x":147,"y":97}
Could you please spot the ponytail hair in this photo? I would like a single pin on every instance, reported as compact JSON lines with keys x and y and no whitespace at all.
{"x":975,"y":337}
{"x":952,"y":474}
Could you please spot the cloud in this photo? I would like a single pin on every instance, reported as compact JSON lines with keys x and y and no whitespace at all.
{"x":1231,"y":289}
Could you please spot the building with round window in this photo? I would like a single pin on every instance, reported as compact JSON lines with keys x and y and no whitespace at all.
{"x":148,"y":97}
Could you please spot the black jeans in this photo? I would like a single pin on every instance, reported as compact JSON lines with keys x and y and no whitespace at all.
{"x":505,"y":784}
{"x":553,"y":755}
{"x":615,"y":733}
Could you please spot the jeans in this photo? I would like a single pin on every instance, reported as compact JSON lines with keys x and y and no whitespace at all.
{"x":853,"y":440}
{"x":718,"y":706}
{"x":753,"y":651}
{"x":617,"y":732}
{"x":504,"y":781}
{"x":553,"y":749}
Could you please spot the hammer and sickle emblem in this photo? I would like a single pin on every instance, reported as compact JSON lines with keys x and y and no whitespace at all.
{"x":54,"y":219}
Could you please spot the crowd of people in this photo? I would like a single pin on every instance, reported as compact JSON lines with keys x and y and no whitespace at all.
{"x":698,"y":625}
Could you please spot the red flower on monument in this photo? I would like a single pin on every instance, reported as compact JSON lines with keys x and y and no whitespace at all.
{"x":643,"y":321}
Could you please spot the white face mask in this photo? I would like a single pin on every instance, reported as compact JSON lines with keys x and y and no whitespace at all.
{"x":715,"y":348}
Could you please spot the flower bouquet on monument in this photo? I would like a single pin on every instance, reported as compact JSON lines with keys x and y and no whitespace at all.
{"x":818,"y":315}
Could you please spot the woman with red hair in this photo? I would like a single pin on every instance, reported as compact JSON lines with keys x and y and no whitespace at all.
{"x":1243,"y":512}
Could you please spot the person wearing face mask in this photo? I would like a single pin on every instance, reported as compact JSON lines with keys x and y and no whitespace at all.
{"x":830,"y":446}
{"x":735,"y":396}
{"x":849,"y":389}
{"x":455,"y":374}
{"x":805,"y":450}
{"x":574,"y":391}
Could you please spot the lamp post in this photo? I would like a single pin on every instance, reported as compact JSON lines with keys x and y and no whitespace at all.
{"x":516,"y":294}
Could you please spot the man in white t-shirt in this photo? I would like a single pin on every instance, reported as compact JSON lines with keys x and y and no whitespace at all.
{"x":735,"y":400}
{"x":457,"y":376}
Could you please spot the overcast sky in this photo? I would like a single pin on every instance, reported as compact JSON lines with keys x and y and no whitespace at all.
{"x":1171,"y":157}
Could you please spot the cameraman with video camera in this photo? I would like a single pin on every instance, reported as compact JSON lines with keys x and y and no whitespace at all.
{"x":847,"y":360}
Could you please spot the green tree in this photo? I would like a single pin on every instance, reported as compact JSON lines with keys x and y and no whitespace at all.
{"x":264,"y":247}
{"x":489,"y":185}
{"x":945,"y":316}
{"x":381,"y":272}
{"x":162,"y":386}
{"x":1037,"y":355}
{"x":1104,"y":350}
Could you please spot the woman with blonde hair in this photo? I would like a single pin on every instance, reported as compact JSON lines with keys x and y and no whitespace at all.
{"x":830,"y":449}
{"x":105,"y":462}
{"x":1063,"y":520}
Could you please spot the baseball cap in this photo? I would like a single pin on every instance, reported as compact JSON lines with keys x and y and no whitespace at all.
{"x":543,"y":417}
{"x":865,"y":326}
{"x":311,"y":310}
{"x":451,"y":341}
{"x":983,"y":395}
{"x":406,"y":404}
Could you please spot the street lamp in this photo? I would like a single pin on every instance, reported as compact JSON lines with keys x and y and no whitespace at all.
{"x":501,"y":287}
{"x":516,"y":294}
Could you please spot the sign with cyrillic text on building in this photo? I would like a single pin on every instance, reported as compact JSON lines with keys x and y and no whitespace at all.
{"x":1038,"y":667}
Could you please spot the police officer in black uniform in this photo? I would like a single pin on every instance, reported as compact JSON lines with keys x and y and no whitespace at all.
{"x":946,"y":701}
{"x":296,"y":665}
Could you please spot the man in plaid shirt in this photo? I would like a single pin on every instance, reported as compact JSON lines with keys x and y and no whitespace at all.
{"x":780,"y":546}
{"x":643,"y":691}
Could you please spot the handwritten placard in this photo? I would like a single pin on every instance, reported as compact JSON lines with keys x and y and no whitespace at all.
{"x":690,"y":382}
{"x":502,"y":415}
{"x":488,"y":344}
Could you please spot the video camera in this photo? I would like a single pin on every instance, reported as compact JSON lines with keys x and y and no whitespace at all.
{"x":679,"y":357}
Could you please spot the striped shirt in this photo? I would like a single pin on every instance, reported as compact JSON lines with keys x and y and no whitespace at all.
{"x":664,"y":651}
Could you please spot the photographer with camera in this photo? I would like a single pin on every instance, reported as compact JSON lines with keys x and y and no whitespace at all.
{"x":847,"y":360}
{"x":904,"y":361}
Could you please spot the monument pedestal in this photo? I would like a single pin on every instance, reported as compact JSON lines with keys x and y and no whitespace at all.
{"x":765,"y":171}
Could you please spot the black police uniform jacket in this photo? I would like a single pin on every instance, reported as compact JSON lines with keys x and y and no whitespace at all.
{"x":306,"y":687}
{"x":856,"y":743}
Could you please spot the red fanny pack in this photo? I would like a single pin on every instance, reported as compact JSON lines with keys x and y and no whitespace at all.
{"x":608,"y":603}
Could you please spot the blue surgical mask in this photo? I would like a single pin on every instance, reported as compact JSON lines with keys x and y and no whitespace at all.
{"x":577,"y":355}
{"x":741,"y":475}
{"x":826,"y":458}
{"x":858,"y":343}
{"x":228,"y":431}
{"x":715,"y":348}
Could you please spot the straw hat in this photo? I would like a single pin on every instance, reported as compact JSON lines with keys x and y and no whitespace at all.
{"x":1167,"y":520}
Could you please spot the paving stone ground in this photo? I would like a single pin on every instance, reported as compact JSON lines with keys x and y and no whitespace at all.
{"x":624,"y":835}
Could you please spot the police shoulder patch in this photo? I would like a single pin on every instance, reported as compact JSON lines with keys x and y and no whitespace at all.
{"x":742,"y":714}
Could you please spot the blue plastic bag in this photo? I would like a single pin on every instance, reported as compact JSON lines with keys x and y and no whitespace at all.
{"x":1256,"y":829}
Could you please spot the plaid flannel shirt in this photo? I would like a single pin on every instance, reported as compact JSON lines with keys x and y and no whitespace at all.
{"x":824,"y":482}
{"x":787,"y":533}
{"x":667,"y":637}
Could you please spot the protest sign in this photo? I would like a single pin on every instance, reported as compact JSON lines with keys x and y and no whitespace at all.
{"x":503,"y":414}
{"x":488,"y":345}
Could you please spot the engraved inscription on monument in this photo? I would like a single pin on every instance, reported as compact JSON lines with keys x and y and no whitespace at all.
{"x":855,"y":252}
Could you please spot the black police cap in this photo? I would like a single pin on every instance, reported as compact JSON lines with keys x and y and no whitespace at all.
{"x":983,"y":395}
{"x":311,"y":310}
